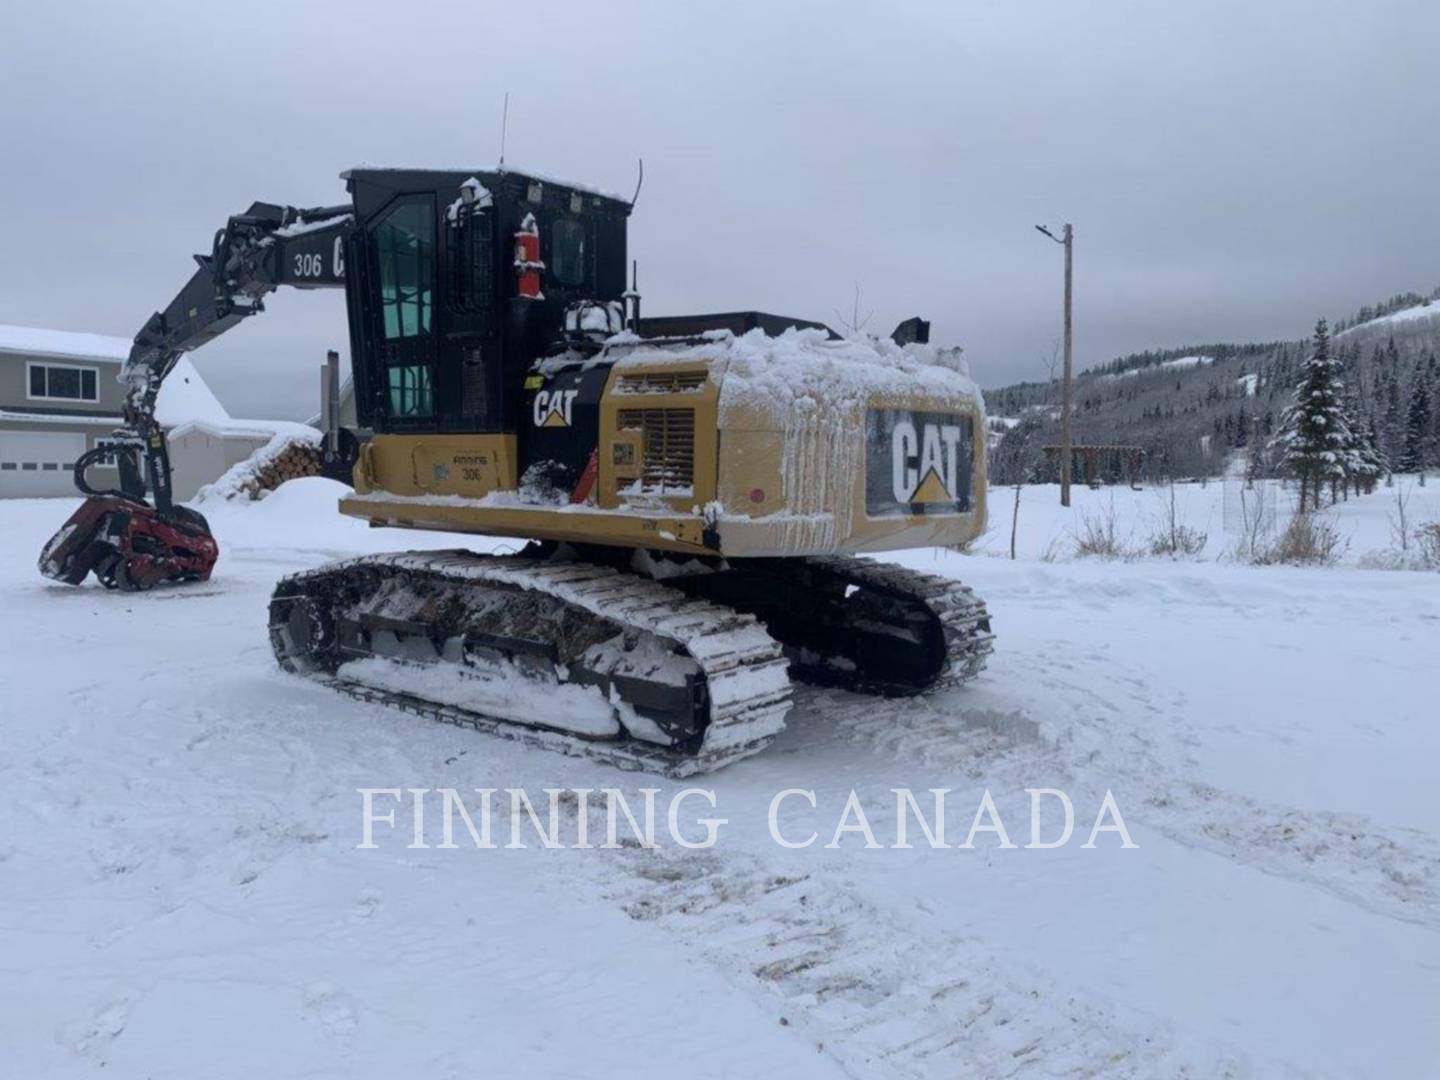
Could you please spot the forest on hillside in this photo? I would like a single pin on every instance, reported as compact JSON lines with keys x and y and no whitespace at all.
{"x":1190,"y":409}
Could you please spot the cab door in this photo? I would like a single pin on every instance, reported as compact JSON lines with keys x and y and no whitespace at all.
{"x":402,"y":318}
{"x":472,"y":395}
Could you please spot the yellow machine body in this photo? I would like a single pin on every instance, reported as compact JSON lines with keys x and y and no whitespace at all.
{"x":688,"y":463}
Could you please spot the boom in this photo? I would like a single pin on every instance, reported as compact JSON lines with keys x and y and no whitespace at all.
{"x":257,"y":252}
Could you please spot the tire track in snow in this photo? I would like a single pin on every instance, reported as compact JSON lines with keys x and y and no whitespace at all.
{"x":1125,"y":738}
{"x":888,"y":996}
{"x":1392,"y":872}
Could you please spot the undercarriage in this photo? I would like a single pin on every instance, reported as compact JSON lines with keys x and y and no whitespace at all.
{"x":681,"y":672}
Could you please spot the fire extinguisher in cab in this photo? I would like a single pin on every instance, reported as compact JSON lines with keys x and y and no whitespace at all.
{"x":527,"y":260}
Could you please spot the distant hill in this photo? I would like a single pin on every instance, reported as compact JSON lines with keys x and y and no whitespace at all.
{"x":1190,"y":407}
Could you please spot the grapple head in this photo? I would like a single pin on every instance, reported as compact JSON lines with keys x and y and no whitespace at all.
{"x":130,"y":545}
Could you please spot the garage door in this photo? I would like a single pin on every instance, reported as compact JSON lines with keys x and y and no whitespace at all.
{"x":36,"y":463}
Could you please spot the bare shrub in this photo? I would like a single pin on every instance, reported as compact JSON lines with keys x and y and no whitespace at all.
{"x":1255,"y":526}
{"x":1173,"y":537}
{"x":1098,"y":536}
{"x":1308,"y":540}
{"x":1400,"y":527}
{"x":1181,"y":540}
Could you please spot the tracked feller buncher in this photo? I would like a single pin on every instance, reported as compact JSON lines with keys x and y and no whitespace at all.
{"x":696,"y":490}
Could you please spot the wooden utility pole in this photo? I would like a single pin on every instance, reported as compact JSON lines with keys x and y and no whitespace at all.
{"x":1065,"y":442}
{"x":1066,"y":238}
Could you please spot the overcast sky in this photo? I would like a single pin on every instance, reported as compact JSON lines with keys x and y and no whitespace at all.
{"x":1233,"y":170}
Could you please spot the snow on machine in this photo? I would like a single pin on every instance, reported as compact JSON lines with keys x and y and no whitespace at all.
{"x":697,"y":490}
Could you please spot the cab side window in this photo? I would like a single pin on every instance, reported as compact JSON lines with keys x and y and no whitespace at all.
{"x":472,"y":260}
{"x":411,"y":393}
{"x":405,"y":255}
{"x":567,"y":256}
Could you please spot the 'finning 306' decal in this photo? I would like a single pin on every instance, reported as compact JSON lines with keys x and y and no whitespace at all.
{"x":917,"y":463}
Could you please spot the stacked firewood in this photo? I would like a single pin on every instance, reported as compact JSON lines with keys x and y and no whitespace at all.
{"x":295,"y":460}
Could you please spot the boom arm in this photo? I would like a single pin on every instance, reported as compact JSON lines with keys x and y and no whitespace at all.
{"x":257,"y":252}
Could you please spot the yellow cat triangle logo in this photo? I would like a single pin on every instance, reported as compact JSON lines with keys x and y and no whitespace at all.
{"x":555,"y":419}
{"x":932,"y":490}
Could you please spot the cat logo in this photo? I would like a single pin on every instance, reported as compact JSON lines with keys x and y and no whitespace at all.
{"x":552,"y":408}
{"x":923,"y":462}
{"x":918,"y":463}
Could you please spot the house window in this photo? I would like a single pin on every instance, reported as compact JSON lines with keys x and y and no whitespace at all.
{"x":63,"y":382}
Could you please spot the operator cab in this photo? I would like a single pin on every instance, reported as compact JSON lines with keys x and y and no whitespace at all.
{"x":463,"y":280}
{"x":477,"y":301}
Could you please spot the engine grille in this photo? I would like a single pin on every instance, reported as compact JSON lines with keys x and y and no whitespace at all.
{"x":472,"y":382}
{"x":661,"y":382}
{"x":667,"y":459}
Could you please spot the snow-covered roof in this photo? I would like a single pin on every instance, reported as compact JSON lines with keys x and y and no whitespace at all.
{"x":59,"y":418}
{"x":528,"y":174}
{"x":185,"y":399}
{"x":245,"y":429}
{"x":64,"y":344}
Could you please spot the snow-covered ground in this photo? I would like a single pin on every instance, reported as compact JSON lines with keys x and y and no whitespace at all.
{"x":1222,"y":510}
{"x":182,"y":893}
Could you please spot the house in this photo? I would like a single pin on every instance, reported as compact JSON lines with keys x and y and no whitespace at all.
{"x":60,"y":396}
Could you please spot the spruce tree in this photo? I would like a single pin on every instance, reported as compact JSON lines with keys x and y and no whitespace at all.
{"x":1370,"y":462}
{"x":1357,"y":461}
{"x":1314,"y":439}
{"x":1392,"y":425}
{"x":1415,"y":455}
{"x":1432,"y":456}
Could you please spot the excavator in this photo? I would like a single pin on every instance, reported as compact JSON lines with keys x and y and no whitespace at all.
{"x":697,"y":492}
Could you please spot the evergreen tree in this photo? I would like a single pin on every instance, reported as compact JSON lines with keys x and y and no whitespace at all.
{"x":1369,"y":459}
{"x":1432,"y":377}
{"x":1416,"y":452}
{"x":1314,"y":439}
{"x":1357,"y":460}
{"x":1435,"y":421}
{"x":1392,"y":424}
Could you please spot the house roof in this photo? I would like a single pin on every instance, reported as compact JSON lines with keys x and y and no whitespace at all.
{"x":62,"y":344}
{"x":244,"y":429}
{"x":186,"y":399}
{"x":9,"y":417}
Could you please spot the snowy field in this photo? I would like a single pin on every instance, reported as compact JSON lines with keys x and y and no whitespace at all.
{"x":182,"y":893}
{"x":1222,"y":511}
